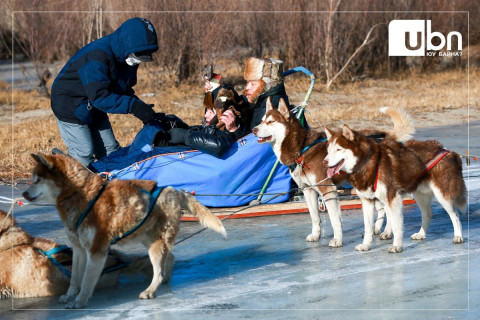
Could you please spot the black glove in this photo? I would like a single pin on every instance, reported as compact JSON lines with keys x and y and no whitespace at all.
{"x":143,"y":111}
{"x":178,"y":135}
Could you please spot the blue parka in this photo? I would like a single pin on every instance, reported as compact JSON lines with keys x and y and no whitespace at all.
{"x":97,"y":80}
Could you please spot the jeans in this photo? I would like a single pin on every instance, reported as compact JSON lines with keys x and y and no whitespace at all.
{"x":87,"y":142}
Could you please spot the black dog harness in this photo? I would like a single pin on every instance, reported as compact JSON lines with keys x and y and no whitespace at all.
{"x":153,"y":198}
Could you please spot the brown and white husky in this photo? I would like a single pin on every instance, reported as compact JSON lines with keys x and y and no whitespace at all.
{"x":120,"y":209}
{"x":385,"y":170}
{"x":288,"y":139}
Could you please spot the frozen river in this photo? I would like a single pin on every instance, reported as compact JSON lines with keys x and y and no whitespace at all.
{"x":266,"y":270}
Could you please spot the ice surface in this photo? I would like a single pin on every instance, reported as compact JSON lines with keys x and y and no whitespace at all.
{"x":266,"y":269}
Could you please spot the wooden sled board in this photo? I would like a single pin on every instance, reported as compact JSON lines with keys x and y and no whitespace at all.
{"x":277,"y":209}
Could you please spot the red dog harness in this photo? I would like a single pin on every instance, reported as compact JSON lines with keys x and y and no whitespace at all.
{"x":428,"y":165}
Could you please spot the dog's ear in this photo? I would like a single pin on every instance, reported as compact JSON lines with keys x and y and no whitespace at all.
{"x":282,"y":107}
{"x":348,"y":133}
{"x":40,"y":159}
{"x":329,"y":133}
{"x":269,"y":105}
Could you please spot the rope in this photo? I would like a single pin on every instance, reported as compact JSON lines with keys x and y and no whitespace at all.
{"x":226,"y":217}
{"x":275,"y":195}
{"x":13,"y":202}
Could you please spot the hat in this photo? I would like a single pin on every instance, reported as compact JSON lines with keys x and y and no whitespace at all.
{"x":143,"y":56}
{"x":269,"y":70}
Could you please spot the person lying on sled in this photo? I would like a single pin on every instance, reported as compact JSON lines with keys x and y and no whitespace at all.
{"x":208,"y":137}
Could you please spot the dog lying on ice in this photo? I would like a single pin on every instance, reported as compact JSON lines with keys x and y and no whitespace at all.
{"x":385,"y":170}
{"x":303,"y":151}
{"x":227,"y":99}
{"x":28,"y":272}
{"x":97,"y":213}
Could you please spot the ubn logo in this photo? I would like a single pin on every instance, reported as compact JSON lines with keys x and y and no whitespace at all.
{"x":408,"y":38}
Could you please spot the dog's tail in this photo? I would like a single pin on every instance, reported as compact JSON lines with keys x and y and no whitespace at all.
{"x":403,"y":129}
{"x":205,"y":216}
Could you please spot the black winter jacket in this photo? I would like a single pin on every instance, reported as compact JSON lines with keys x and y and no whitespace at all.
{"x":209,"y":139}
{"x":276,"y":93}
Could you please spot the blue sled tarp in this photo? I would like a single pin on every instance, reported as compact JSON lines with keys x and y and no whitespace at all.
{"x":243,"y":169}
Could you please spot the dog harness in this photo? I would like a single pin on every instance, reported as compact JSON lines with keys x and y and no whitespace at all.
{"x":299,"y":160}
{"x":442,"y":152}
{"x":153,"y":198}
{"x":49,"y":254}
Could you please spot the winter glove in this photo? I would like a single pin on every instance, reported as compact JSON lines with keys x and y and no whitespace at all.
{"x":143,"y":111}
{"x":178,"y":135}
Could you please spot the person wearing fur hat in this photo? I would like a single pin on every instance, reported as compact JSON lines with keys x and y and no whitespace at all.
{"x":264,"y":78}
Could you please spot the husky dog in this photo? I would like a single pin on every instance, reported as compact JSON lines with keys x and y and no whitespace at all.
{"x":385,"y":170}
{"x":96,"y":212}
{"x":303,"y":151}
{"x":448,"y":169}
{"x":28,"y":272}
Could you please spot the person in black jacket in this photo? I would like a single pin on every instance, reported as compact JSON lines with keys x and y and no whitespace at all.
{"x":207,"y":137}
{"x":98,"y":80}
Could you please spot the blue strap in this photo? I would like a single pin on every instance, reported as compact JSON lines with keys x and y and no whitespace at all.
{"x":90,"y":205}
{"x":153,"y":199}
{"x":312,"y":144}
{"x":67,"y":272}
{"x":60,"y":266}
{"x":57,"y":250}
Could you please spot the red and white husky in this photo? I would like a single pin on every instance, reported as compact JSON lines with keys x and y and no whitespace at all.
{"x":288,"y":138}
{"x":385,"y":170}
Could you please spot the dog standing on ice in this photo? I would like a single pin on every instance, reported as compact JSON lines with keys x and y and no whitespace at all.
{"x":288,"y":138}
{"x":96,"y":212}
{"x":385,"y":170}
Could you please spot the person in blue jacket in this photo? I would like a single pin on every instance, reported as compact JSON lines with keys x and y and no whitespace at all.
{"x":98,"y":80}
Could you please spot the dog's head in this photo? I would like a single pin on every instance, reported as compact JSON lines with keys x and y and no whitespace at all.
{"x":274,"y":126}
{"x":342,"y":151}
{"x":51,"y":175}
{"x":43,"y":188}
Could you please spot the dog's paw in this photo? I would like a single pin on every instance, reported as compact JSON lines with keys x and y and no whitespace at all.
{"x":363,"y":247}
{"x":377,"y":231}
{"x":66,"y":298}
{"x":75,"y":304}
{"x":385,"y":236}
{"x":457,"y":239}
{"x":313,"y":237}
{"x":417,"y":236}
{"x":147,"y":295}
{"x":395,"y":249}
{"x":334,"y":243}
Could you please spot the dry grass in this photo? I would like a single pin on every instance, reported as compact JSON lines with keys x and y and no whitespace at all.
{"x":432,"y":99}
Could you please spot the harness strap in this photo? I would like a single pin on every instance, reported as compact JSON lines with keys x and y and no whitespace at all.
{"x":49,"y":254}
{"x":442,"y":152}
{"x":299,"y":160}
{"x":90,"y":205}
{"x":55,"y":250}
{"x":376,"y":179}
{"x":153,"y":198}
